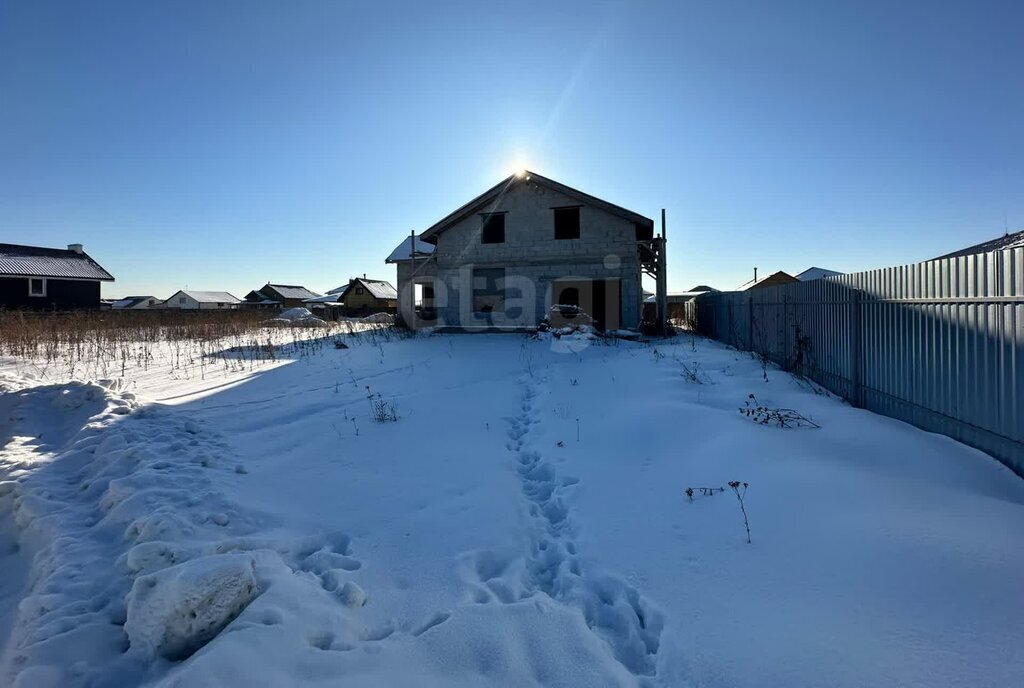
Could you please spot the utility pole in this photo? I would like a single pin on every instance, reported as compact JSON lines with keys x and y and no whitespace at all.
{"x":662,"y":282}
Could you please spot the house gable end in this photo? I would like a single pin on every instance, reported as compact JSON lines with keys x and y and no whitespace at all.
{"x":490,"y":200}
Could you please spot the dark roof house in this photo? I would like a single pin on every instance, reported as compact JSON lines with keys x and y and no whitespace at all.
{"x":49,"y":278}
{"x":134,"y":303}
{"x":283,"y":295}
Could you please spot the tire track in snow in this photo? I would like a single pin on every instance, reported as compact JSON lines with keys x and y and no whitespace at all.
{"x":612,"y":608}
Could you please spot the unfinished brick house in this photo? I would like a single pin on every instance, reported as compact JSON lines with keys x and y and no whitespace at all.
{"x":502,"y":260}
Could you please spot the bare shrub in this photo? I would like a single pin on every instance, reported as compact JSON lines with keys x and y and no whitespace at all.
{"x":779,"y":417}
{"x":381,"y":410}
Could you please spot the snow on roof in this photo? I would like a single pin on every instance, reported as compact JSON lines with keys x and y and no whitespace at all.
{"x":780,"y":276}
{"x":1004,"y":243}
{"x":677,"y":296}
{"x":291,"y":291}
{"x":816,"y":274}
{"x":36,"y":261}
{"x":211,"y":296}
{"x":380,"y":289}
{"x":402,"y":251}
{"x":330,"y":297}
{"x":129,"y":301}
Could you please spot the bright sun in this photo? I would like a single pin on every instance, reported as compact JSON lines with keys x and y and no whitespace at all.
{"x":518,"y":167}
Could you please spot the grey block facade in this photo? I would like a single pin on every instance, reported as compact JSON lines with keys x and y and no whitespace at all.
{"x":536,"y":265}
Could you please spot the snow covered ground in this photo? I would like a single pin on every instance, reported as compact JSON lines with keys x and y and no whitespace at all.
{"x":523,"y":522}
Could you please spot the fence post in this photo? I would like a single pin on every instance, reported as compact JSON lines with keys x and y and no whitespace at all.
{"x":785,"y":333}
{"x":732,"y":326}
{"x":750,"y":322}
{"x":857,"y":351}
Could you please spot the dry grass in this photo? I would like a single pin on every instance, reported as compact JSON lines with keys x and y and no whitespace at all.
{"x":105,"y":344}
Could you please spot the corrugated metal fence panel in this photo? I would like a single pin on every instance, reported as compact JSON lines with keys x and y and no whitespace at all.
{"x":937,"y":344}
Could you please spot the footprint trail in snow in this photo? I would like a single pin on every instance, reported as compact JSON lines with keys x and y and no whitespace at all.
{"x":612,"y":608}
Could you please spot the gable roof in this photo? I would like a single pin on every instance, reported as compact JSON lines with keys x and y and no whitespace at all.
{"x":36,"y":261}
{"x":811,"y":274}
{"x":207,"y":296}
{"x":779,"y":277}
{"x":1003,"y":243}
{"x":131,"y":301}
{"x":289,"y":291}
{"x":379,"y":289}
{"x":404,"y":250}
{"x":330,"y":297}
{"x":495,"y":193}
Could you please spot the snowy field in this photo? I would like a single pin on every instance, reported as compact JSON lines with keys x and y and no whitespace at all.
{"x":523,"y":522}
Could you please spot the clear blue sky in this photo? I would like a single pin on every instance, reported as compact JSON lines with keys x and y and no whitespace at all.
{"x":224,"y":144}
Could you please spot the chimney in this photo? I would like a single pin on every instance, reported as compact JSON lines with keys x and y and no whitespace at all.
{"x":77,"y":248}
{"x":364,"y":275}
{"x":755,"y":274}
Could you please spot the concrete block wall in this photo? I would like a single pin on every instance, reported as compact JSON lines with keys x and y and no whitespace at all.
{"x":533,"y":258}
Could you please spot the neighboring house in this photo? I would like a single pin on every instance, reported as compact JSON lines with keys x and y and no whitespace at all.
{"x":328,"y":307}
{"x":772,"y":280}
{"x":676,"y":301}
{"x":506,"y":257}
{"x":811,"y":274}
{"x":202,"y":300}
{"x":1006,"y":242}
{"x":365,"y":295}
{"x":135,"y":303}
{"x":49,"y":278}
{"x":279,"y":295}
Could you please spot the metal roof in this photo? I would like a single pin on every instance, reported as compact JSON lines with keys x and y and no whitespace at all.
{"x":334,"y":297}
{"x":131,"y":301}
{"x":36,"y":261}
{"x":1008,"y":241}
{"x":290,"y":291}
{"x":404,"y":250}
{"x":379,"y":289}
{"x":209,"y":296}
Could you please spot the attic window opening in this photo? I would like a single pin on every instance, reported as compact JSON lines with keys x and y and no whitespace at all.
{"x":359,"y":290}
{"x":36,"y":286}
{"x":567,"y":223}
{"x":492,"y":228}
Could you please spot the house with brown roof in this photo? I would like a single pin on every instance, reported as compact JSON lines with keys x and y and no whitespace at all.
{"x":49,"y":278}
